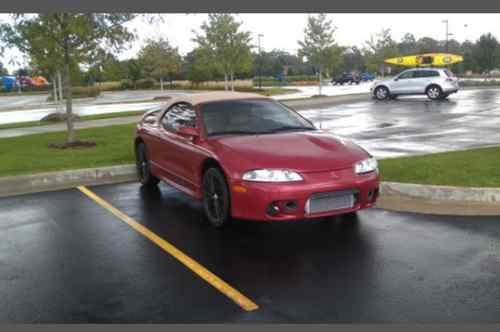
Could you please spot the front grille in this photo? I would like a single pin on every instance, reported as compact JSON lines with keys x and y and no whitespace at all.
{"x":330,"y":201}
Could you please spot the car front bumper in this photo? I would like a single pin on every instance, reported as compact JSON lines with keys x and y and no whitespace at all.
{"x":252,"y":200}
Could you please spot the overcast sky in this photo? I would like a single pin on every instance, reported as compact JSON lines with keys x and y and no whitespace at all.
{"x":282,"y":31}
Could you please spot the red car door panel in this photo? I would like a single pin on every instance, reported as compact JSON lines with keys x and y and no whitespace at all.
{"x":177,"y":156}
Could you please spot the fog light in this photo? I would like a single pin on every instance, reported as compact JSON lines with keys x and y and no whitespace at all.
{"x":273,"y":209}
{"x":290,"y":206}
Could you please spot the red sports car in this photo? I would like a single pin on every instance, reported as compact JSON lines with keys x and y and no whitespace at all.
{"x":250,"y":157}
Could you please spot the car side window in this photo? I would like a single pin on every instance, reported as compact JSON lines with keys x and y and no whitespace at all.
{"x":406,"y":75}
{"x":179,"y":115}
{"x":150,"y":118}
{"x":427,"y":73}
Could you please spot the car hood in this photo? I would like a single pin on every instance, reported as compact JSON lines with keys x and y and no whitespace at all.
{"x":299,"y":151}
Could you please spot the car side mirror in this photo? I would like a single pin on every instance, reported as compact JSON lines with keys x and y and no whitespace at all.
{"x":396,"y":79}
{"x":188,"y":132}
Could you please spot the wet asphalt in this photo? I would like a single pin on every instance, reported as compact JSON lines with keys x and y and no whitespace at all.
{"x":65,"y":259}
{"x":416,"y":125}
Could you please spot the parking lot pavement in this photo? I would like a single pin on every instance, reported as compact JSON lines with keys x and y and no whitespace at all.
{"x":416,"y":125}
{"x":64,"y":258}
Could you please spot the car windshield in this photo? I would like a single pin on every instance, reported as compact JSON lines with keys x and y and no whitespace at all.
{"x":249,"y":117}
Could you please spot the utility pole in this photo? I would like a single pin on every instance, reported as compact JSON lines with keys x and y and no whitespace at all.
{"x":260,"y":61}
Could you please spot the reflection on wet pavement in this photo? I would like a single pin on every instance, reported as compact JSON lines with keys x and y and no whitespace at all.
{"x":416,"y":125}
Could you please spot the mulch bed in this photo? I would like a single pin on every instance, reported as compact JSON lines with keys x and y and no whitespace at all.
{"x":73,"y":145}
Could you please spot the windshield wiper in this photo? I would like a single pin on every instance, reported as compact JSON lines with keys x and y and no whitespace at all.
{"x":234,"y":132}
{"x":285,"y":128}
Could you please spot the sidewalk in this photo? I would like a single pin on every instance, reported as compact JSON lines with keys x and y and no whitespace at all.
{"x":301,"y":104}
{"x":5,"y":133}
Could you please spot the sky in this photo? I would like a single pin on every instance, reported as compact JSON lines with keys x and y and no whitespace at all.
{"x":282,"y":31}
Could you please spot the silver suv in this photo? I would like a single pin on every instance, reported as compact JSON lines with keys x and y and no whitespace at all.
{"x":436,"y":83}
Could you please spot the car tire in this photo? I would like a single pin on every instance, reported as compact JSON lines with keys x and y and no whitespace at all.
{"x":434,"y":92}
{"x":216,"y":198}
{"x":143,"y":167}
{"x":381,"y":93}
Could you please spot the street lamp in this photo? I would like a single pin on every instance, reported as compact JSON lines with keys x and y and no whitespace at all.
{"x":260,"y":61}
{"x":447,"y":34}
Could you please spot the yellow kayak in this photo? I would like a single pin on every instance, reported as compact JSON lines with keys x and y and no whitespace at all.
{"x":422,"y":60}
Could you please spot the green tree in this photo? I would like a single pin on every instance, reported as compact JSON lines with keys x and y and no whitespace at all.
{"x":134,"y":70}
{"x":352,"y":60}
{"x":467,"y":50}
{"x":380,"y":47}
{"x":408,"y":45}
{"x":428,"y":45}
{"x":319,"y":46}
{"x":159,"y":59}
{"x":66,"y":39}
{"x":486,"y":53}
{"x":199,"y":67}
{"x":226,"y":45}
{"x":3,"y":70}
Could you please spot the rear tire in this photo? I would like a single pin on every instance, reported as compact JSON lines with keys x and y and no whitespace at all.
{"x":434,"y":92}
{"x":381,"y":93}
{"x":216,"y":198}
{"x":144,"y":168}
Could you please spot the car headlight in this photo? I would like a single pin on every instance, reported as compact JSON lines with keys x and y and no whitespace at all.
{"x":272,"y":175}
{"x":366,"y":166}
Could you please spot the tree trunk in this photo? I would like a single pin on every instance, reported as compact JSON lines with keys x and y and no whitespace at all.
{"x":232,"y":81}
{"x":225,"y":82}
{"x":69,"y":102}
{"x":59,"y":85}
{"x":319,"y":82}
{"x":54,"y":87}
{"x":161,"y":83}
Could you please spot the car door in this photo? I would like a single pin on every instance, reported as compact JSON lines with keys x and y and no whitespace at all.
{"x":422,"y":79}
{"x":179,"y":155}
{"x":402,"y":84}
{"x":150,"y":134}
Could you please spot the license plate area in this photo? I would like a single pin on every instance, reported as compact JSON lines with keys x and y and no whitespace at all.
{"x":330,"y":201}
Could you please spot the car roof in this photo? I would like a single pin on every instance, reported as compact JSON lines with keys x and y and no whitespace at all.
{"x":205,"y":97}
{"x":426,"y":68}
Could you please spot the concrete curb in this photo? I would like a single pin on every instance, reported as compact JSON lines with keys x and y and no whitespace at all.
{"x":430,"y":199}
{"x":404,"y":197}
{"x":24,"y":184}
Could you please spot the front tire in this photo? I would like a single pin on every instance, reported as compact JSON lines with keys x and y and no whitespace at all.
{"x":144,"y":167}
{"x":434,"y":92}
{"x":216,"y":199}
{"x":381,"y":93}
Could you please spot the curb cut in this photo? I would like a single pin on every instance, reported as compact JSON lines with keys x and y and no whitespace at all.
{"x":403,"y":197}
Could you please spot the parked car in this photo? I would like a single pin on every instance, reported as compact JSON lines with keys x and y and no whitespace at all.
{"x":346,"y":78}
{"x":250,"y":157}
{"x":436,"y":83}
{"x":367,"y":77}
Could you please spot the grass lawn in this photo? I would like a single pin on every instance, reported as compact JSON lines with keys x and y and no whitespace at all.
{"x":30,"y":154}
{"x":472,"y":168}
{"x":83,"y":118}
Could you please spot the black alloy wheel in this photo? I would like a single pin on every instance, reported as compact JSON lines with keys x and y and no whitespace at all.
{"x":216,"y":200}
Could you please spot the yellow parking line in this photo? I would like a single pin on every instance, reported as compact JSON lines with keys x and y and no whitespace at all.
{"x":190,"y":263}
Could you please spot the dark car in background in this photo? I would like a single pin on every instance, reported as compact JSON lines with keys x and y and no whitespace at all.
{"x":367,"y":77}
{"x":346,"y":78}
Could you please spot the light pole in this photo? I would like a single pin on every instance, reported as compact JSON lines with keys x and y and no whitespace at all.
{"x":260,"y":61}
{"x":447,"y":34}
